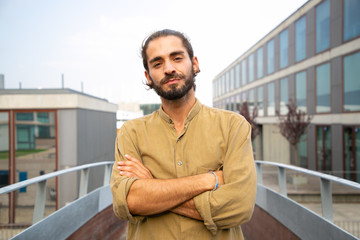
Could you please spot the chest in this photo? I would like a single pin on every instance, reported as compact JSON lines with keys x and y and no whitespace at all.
{"x":197,"y":151}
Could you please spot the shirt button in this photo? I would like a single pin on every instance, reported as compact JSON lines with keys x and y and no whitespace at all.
{"x":179,"y":163}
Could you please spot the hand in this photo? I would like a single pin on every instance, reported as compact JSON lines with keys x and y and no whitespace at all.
{"x":133,"y":168}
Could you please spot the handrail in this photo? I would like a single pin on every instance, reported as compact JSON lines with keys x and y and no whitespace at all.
{"x":325,"y":184}
{"x":40,"y":197}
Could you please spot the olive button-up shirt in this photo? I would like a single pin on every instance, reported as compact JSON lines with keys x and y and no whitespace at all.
{"x":212,"y":139}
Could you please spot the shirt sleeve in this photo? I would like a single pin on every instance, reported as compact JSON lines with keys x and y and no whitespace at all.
{"x":233,"y":203}
{"x":120,"y":185}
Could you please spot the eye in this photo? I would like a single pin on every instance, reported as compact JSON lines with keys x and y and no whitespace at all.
{"x":156,"y":65}
{"x":178,"y":59}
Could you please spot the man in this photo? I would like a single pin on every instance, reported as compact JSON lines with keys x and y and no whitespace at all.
{"x":186,"y":171}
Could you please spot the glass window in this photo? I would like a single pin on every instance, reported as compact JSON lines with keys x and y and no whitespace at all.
{"x":323,"y":26}
{"x":43,"y":117}
{"x":300,"y":79}
{"x":243,"y":73}
{"x":260,"y":101}
{"x":351,"y":19}
{"x":227,"y":80}
{"x":238,"y":102}
{"x":251,"y":68}
{"x":284,"y":96}
{"x":251,"y":101}
{"x":232,"y":79}
{"x":352,"y":82}
{"x":323,"y":88}
{"x":300,"y":39}
{"x":352,"y":153}
{"x":222,"y":84}
{"x":237,"y":76}
{"x":284,"y":49}
{"x":259,"y":62}
{"x":271,"y":99}
{"x":270,"y":56}
{"x":323,"y":149}
{"x":302,"y":151}
{"x":28,"y":116}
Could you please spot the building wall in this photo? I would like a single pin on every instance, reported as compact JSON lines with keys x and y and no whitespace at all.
{"x":96,"y":133}
{"x":67,"y":154}
{"x":276,"y":148}
{"x":226,"y":94}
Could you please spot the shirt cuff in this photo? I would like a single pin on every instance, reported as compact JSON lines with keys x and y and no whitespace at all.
{"x":122,"y":206}
{"x":202,"y":204}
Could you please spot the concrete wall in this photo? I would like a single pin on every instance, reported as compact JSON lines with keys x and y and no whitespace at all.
{"x":67,"y":154}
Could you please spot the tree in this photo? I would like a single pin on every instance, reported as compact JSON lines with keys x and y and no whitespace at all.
{"x":293,"y":125}
{"x":244,"y":111}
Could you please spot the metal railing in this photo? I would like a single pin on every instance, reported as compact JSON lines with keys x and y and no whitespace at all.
{"x":40,"y":181}
{"x":325,"y":184}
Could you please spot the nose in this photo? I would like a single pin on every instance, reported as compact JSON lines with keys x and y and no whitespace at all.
{"x":169,"y":67}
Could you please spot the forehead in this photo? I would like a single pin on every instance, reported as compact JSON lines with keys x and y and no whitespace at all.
{"x":164,"y":46}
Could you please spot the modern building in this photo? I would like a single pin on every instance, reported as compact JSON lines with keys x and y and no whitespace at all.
{"x":46,"y":130}
{"x":312,"y":58}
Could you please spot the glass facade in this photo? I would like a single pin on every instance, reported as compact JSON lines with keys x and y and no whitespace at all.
{"x":270,"y":56}
{"x":323,"y":26}
{"x":284,"y":96}
{"x":243,"y":72}
{"x":251,"y":101}
{"x":271,"y":99}
{"x":323,"y":88}
{"x":313,"y":60}
{"x":237,"y":76}
{"x":302,"y":151}
{"x":284,"y":49}
{"x":260,"y":100}
{"x":352,"y":153}
{"x":351,"y":19}
{"x":300,"y":39}
{"x":259,"y":63}
{"x":300,"y":84}
{"x":323,"y":148}
{"x":352,"y":82}
{"x":251,"y":68}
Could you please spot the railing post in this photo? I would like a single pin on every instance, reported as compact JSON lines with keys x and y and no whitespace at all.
{"x":282,"y":181}
{"x":40,"y":200}
{"x":107,"y":174}
{"x":326,"y":199}
{"x":84,"y":179}
{"x":258,"y":172}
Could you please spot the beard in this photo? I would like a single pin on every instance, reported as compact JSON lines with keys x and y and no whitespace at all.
{"x":175,"y":92}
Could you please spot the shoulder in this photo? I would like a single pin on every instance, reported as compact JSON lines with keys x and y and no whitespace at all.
{"x":222,"y":115}
{"x":138,"y":123}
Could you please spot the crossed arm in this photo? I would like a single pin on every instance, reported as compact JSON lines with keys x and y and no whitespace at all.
{"x":148,"y":196}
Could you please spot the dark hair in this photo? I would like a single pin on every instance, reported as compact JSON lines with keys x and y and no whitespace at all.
{"x":165,"y":33}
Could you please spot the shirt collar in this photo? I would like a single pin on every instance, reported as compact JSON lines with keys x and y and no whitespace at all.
{"x":193,"y":112}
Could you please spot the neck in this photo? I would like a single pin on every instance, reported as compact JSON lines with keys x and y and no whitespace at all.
{"x":179,"y":109}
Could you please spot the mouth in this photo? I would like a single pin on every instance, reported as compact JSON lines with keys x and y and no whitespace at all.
{"x":171,"y":81}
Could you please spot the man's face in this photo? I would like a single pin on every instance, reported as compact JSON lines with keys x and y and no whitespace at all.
{"x":171,"y":71}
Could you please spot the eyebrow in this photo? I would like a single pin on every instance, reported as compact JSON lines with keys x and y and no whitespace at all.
{"x":171,"y":55}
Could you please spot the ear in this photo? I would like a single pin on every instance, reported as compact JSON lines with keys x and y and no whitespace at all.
{"x":147,"y":75}
{"x":195,"y":65}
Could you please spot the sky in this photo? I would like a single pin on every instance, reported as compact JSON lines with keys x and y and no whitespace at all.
{"x":95,"y":44}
